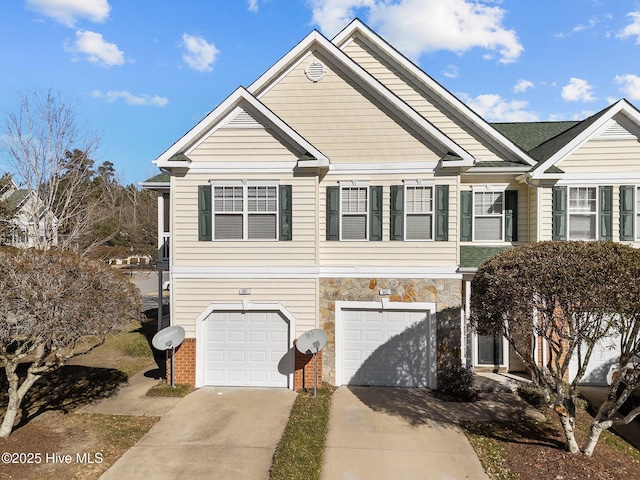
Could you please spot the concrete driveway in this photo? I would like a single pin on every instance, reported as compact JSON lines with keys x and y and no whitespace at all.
{"x":383,"y":433}
{"x":221,"y":433}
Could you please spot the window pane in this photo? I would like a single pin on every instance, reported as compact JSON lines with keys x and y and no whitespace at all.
{"x":488,"y":203}
{"x":419,"y":227}
{"x":488,"y":228}
{"x":419,"y":199}
{"x":354,"y":227}
{"x":227,"y":199}
{"x":582,"y":199}
{"x":262,"y":227}
{"x":228,"y":227}
{"x":582,"y":227}
{"x":354,"y":200}
{"x":261,"y":199}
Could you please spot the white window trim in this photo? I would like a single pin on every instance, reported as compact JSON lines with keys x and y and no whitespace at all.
{"x":501,"y":188}
{"x":355,"y":184}
{"x":245,"y":184}
{"x":596,"y":214}
{"x":413,"y":184}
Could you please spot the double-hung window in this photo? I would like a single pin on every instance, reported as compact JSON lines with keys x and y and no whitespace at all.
{"x":488,"y":215}
{"x":583,"y":213}
{"x":244,"y":211}
{"x":418,"y":212}
{"x":354,"y":212}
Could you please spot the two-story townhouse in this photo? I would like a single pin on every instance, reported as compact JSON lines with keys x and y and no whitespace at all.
{"x":347,"y":190}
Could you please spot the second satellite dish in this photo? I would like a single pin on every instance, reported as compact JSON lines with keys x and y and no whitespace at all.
{"x":312,"y":341}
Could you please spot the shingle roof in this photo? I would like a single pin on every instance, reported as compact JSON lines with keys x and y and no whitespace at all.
{"x":529,"y":135}
{"x":472,"y":256}
{"x":160,"y":178}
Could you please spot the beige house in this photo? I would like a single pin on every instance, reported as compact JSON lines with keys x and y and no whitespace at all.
{"x":347,"y":190}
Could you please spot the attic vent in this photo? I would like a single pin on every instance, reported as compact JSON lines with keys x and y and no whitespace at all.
{"x":315,"y":71}
{"x":615,"y":131}
{"x":242,"y":120}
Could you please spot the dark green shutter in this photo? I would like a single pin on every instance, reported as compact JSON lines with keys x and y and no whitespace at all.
{"x":442,"y":213}
{"x":559,"y":213}
{"x":396,"y":224}
{"x":333,"y":213}
{"x":606,"y":213}
{"x":286,"y":213}
{"x":626,"y":212}
{"x":511,"y":216}
{"x":204,"y":212}
{"x":375,"y":214}
{"x":466,"y":218}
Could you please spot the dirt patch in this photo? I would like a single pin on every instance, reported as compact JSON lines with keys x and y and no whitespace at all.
{"x":69,"y":446}
{"x":537,"y":450}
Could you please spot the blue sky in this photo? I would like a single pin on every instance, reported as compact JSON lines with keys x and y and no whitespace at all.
{"x":145,"y":71}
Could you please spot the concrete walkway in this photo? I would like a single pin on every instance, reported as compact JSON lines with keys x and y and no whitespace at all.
{"x":221,"y":433}
{"x":383,"y":433}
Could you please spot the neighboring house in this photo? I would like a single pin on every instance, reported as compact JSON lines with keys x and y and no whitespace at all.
{"x":347,"y":190}
{"x":30,"y":217}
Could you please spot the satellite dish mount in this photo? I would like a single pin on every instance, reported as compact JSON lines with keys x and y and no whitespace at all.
{"x":169,"y":338}
{"x":310,"y":343}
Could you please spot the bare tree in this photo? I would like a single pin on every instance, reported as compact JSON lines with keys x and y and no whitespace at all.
{"x":49,"y":152}
{"x":55,"y":306}
{"x":571,"y":295}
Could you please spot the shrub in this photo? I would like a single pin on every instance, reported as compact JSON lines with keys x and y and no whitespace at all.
{"x":455,"y":382}
{"x":533,"y":395}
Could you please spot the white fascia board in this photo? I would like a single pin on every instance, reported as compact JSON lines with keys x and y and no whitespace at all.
{"x":386,"y":167}
{"x":620,"y":106}
{"x":465,"y":113}
{"x":364,"y":78}
{"x":214,"y":118}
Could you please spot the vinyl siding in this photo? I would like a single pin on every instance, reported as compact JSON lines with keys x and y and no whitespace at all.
{"x":190,"y":297}
{"x":420,"y":100}
{"x":234,"y":144}
{"x":388,"y":253}
{"x":187,"y":251}
{"x":341,"y":121}
{"x":610,"y":156}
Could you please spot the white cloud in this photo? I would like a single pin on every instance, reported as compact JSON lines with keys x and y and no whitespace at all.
{"x":578,"y":90}
{"x":68,"y":12}
{"x":419,"y":26}
{"x":131,"y":99}
{"x":633,"y":29}
{"x":629,"y":85}
{"x":253,"y":5}
{"x":522,"y":86}
{"x":199,"y":54}
{"x":97,"y":50}
{"x":494,"y":108}
{"x":451,"y":72}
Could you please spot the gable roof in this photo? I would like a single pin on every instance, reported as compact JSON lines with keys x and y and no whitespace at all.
{"x":352,"y":70}
{"x":357,"y":29}
{"x":529,"y":135}
{"x":177,"y":154}
{"x":552,"y":152}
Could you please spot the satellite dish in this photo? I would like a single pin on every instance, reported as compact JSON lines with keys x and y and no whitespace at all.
{"x":312,"y":341}
{"x":167,"y":338}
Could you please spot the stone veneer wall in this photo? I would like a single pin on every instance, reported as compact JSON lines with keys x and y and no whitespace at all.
{"x":445,"y":293}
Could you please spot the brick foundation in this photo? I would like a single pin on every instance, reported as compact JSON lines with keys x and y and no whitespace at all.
{"x":185,"y":362}
{"x":303,"y":373}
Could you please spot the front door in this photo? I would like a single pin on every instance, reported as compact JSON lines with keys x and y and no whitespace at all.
{"x":490,"y":350}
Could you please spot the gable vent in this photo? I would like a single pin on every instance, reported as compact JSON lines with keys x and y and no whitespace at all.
{"x":615,"y":131}
{"x":242,"y":120}
{"x":315,"y":71}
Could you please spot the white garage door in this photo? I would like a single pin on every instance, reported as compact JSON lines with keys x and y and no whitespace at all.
{"x":605,"y":353}
{"x":245,"y":348}
{"x":385,"y":348}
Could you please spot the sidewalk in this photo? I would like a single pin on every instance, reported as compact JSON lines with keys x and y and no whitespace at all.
{"x":131,"y":399}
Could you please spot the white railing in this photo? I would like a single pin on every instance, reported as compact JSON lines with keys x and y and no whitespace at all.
{"x":163,"y":251}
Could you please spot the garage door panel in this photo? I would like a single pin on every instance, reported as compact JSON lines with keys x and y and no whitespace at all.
{"x":385,"y":348}
{"x":245,"y":349}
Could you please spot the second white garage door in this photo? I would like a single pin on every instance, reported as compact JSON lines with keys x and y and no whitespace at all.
{"x":245,"y":349}
{"x":385,"y":348}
